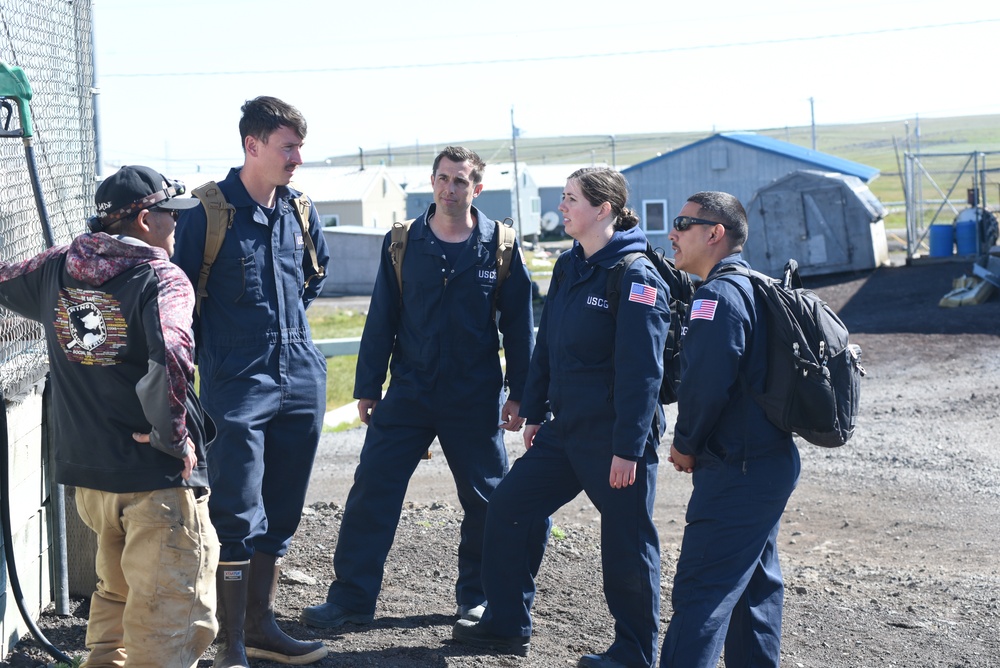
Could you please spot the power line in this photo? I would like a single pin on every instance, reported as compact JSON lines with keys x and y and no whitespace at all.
{"x":537,"y":59}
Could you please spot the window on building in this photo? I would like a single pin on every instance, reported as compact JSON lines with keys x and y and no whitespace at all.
{"x":330,"y":219}
{"x":536,"y":205}
{"x":654,"y":215}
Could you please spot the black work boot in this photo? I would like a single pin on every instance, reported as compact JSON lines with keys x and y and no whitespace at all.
{"x":263,"y":637}
{"x":231,"y":583}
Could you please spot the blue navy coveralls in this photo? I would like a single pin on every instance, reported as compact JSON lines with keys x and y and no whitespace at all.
{"x":728,"y":589}
{"x":446,"y":381}
{"x":262,"y":379}
{"x":599,"y":376}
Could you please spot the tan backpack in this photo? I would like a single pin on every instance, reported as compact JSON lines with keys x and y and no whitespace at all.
{"x":219,"y":215}
{"x":400,"y":235}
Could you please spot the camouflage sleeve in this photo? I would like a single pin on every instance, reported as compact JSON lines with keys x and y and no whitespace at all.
{"x":21,"y":283}
{"x":162,"y":391}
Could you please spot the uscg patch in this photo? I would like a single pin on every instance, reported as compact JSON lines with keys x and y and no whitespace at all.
{"x":596,"y":302}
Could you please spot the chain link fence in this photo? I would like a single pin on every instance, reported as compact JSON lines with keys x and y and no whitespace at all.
{"x":51,"y":41}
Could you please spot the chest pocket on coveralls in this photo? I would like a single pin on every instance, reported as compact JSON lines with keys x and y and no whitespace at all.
{"x":297,"y":257}
{"x":588,"y":331}
{"x":237,"y":279}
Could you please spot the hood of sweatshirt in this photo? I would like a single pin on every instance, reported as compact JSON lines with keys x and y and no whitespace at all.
{"x":622,"y":243}
{"x":97,"y":258}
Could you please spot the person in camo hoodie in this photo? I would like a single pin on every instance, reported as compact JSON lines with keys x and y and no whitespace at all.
{"x":129,"y":432}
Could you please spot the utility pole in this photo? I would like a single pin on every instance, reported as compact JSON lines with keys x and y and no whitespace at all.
{"x":514,"y":132}
{"x":614,"y":164}
{"x":812,"y":116}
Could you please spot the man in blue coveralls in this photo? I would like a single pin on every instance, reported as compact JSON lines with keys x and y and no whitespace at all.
{"x":262,"y":379}
{"x":446,"y":381}
{"x":728,"y":591}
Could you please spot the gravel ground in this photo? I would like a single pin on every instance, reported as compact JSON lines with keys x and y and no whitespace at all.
{"x":888,"y":545}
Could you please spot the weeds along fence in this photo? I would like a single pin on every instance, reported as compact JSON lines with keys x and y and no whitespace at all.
{"x":51,"y":40}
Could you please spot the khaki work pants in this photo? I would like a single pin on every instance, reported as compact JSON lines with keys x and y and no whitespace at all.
{"x":157,"y":554}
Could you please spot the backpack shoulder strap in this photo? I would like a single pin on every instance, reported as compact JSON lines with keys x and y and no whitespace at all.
{"x":505,"y":252}
{"x":505,"y":249}
{"x":758,"y":281}
{"x":301,"y":204}
{"x":399,"y":235}
{"x":218,"y":219}
{"x":613,"y":291}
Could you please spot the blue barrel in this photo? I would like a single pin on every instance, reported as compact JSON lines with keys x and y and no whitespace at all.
{"x":942,"y":240}
{"x":965,"y":237}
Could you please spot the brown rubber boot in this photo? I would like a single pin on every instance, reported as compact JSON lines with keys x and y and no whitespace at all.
{"x":263,"y":637}
{"x":231,"y":583}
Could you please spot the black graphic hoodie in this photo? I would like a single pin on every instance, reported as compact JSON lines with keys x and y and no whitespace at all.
{"x":117,"y":319}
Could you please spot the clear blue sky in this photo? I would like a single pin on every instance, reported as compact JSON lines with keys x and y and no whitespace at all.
{"x":375,"y":74}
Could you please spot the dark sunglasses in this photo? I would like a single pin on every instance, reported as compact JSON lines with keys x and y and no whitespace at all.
{"x":173,"y":213}
{"x":682,"y":223}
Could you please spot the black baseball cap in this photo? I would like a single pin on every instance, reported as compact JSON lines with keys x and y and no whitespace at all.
{"x":132,"y":189}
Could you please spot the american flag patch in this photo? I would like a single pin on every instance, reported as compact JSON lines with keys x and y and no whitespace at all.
{"x":703,"y":309}
{"x":644,"y":294}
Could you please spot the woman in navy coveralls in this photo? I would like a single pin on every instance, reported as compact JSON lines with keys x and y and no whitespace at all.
{"x":593,"y":425}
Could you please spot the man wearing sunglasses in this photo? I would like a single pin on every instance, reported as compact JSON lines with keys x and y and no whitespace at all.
{"x":728,"y":590}
{"x":128,"y":430}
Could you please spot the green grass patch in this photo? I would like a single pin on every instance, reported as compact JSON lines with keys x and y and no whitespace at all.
{"x":77,"y":662}
{"x":340,"y":387}
{"x":538,"y":263}
{"x":330,"y":322}
{"x":557,"y":533}
{"x":340,"y":380}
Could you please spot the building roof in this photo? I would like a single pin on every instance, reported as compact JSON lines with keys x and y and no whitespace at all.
{"x":322,"y":184}
{"x":554,"y":175}
{"x":411,"y":177}
{"x":817,"y":159}
{"x":797,"y":179}
{"x":498,"y":176}
{"x":339,"y":184}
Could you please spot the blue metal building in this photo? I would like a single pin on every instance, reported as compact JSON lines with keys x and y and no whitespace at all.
{"x":739,"y":163}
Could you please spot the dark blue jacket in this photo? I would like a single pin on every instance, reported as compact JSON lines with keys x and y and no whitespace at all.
{"x":256,"y":290}
{"x":600,"y":375}
{"x":442,"y":335}
{"x":726,"y":335}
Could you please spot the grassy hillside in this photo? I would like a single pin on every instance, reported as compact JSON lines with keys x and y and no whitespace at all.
{"x":880,"y":145}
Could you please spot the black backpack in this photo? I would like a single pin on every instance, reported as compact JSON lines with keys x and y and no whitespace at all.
{"x":813,"y":385}
{"x":681,"y":290}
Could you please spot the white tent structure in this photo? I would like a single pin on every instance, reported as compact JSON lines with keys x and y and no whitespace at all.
{"x":827,"y":221}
